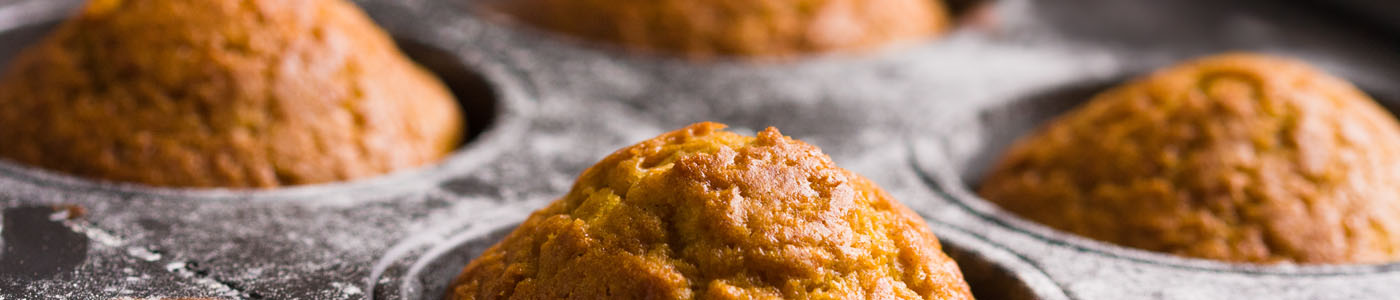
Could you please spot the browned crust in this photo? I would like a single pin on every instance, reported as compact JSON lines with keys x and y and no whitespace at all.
{"x":707,"y":214}
{"x":257,"y":93}
{"x":1238,"y":157}
{"x":751,"y":28}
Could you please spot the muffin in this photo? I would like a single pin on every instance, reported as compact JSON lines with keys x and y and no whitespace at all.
{"x":707,"y":214}
{"x":707,"y":28}
{"x":1238,"y":157}
{"x":257,"y":93}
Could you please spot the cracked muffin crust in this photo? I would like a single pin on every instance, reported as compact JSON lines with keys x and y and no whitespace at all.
{"x":1237,"y":157}
{"x":253,"y":93}
{"x":700,"y":213}
{"x":709,"y":28}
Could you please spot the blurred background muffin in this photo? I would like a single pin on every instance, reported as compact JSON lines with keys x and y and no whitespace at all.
{"x":1237,"y":157}
{"x":739,"y":28}
{"x":706,"y":214}
{"x":258,"y":93}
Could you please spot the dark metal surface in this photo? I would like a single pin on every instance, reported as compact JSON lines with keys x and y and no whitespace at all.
{"x":1378,"y":13}
{"x":919,"y":119}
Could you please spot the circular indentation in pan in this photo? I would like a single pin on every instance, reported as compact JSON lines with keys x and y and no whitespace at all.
{"x":492,"y":98}
{"x":475,"y":95}
{"x":993,"y":273}
{"x":431,"y":276}
{"x":955,"y":159}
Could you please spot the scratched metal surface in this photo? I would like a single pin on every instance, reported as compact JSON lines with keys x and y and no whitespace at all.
{"x":922,"y":120}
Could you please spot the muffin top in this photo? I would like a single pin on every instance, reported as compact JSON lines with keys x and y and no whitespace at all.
{"x":767,"y":28}
{"x":1237,"y":157}
{"x":702,"y":213}
{"x":256,"y":93}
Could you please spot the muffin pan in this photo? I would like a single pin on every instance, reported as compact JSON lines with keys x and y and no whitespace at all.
{"x":921,"y":120}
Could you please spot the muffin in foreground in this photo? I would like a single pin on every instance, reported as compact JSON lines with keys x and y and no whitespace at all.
{"x":1237,"y":157}
{"x":739,"y":28}
{"x":258,"y":93}
{"x":707,"y":214}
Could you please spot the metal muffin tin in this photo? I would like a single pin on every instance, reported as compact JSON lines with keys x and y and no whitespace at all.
{"x":923,"y":120}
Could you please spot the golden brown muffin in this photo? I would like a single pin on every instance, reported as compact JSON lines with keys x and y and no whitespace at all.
{"x":706,"y":214}
{"x":1238,"y":157}
{"x":706,"y":28}
{"x":256,"y":93}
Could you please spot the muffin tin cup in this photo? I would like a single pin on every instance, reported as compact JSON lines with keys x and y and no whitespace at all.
{"x":954,"y":159}
{"x":425,"y":265}
{"x":493,"y":100}
{"x":994,"y":272}
{"x":921,"y":120}
{"x":425,"y":270}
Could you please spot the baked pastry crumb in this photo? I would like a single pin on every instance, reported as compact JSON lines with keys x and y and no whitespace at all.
{"x":707,"y":214}
{"x":257,"y":93}
{"x":702,"y":29}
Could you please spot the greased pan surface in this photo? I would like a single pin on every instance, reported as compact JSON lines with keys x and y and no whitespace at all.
{"x":921,"y":120}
